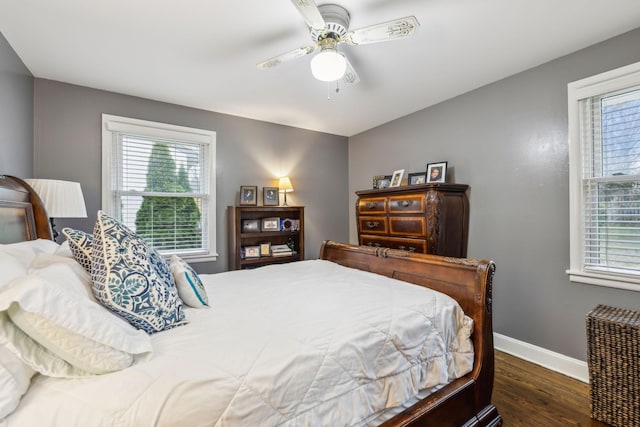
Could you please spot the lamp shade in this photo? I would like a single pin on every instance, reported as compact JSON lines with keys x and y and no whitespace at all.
{"x":62,"y":199}
{"x":284,"y":185}
{"x":329,"y":65}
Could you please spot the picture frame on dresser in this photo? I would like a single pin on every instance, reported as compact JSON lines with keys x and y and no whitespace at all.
{"x":417,"y":178}
{"x":248,"y":195}
{"x":381,"y":181}
{"x":396,"y":179}
{"x":437,"y":172}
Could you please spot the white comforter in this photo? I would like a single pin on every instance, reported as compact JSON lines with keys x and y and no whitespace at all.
{"x":302,"y":344}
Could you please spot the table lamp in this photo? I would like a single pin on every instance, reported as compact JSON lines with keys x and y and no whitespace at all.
{"x":284,"y":186}
{"x":62,"y":199}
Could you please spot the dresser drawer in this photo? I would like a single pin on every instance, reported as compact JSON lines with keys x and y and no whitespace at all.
{"x":409,"y":203}
{"x":373,"y":224}
{"x":411,"y":245}
{"x":412,"y":226}
{"x":372,"y":205}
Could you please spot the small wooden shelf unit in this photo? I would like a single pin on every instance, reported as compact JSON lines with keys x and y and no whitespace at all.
{"x":239,"y":239}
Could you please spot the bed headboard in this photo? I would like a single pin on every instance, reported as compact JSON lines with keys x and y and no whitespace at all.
{"x":22,"y":213}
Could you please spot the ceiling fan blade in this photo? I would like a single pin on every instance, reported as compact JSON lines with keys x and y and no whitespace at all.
{"x":398,"y":28}
{"x":310,"y":13}
{"x":287,"y":56}
{"x":350,"y":76}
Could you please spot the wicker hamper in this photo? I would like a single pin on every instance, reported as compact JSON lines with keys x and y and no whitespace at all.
{"x":613,"y":353}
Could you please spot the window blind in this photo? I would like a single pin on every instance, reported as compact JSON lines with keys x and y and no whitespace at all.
{"x":161,"y":190}
{"x":610,"y":139}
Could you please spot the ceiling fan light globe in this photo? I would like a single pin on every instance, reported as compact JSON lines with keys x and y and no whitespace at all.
{"x":328,"y":66}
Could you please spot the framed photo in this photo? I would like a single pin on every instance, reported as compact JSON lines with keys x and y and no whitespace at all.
{"x":265,"y":249}
{"x":417,"y":178}
{"x":270,"y":196}
{"x":396,"y":179}
{"x":250,"y":225}
{"x":248,"y":195}
{"x":436,"y":172}
{"x":271,"y":224}
{"x":252,"y":251}
{"x":381,"y":181}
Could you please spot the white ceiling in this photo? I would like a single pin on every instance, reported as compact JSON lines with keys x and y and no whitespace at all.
{"x":202,"y":53}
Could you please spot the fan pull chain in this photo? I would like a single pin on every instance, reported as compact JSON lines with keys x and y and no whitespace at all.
{"x":329,"y":89}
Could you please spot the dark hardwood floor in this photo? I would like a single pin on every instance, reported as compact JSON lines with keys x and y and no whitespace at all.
{"x":529,"y":395}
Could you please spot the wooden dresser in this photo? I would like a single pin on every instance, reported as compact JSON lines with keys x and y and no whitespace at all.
{"x":426,"y":218}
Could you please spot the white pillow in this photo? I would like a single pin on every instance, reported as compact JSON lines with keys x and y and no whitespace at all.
{"x":10,"y":268}
{"x":21,"y":254}
{"x":64,"y":250}
{"x":15,"y":377}
{"x":190,"y":287}
{"x":63,"y":333}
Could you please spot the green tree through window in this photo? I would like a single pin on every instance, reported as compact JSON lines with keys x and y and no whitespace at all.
{"x":168,"y":222}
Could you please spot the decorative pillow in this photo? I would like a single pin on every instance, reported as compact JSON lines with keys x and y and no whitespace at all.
{"x":80,"y":245}
{"x":15,"y":377}
{"x":131,"y":279}
{"x":190,"y":287}
{"x":49,"y":322}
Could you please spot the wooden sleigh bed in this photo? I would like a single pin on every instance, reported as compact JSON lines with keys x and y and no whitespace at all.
{"x":465,"y":401}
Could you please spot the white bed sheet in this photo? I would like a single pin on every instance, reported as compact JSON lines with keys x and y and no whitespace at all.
{"x":310,"y":343}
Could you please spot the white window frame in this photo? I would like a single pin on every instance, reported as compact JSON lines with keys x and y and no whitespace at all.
{"x":112,"y":125}
{"x":621,"y":78}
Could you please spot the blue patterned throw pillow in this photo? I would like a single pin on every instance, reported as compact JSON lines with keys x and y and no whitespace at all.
{"x":131,"y":279}
{"x":190,"y":287}
{"x":80,"y":245}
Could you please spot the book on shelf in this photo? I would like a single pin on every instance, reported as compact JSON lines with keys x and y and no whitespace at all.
{"x":280,"y":254}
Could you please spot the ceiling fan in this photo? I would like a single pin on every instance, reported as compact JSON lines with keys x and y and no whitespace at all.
{"x":329,"y":27}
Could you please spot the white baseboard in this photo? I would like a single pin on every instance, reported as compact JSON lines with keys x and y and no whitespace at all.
{"x":557,"y":362}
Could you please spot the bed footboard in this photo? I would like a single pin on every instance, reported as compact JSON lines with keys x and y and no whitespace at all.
{"x":467,"y":400}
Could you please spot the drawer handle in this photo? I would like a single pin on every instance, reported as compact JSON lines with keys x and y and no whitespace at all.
{"x":401,"y":247}
{"x":372,"y":224}
{"x":371,"y":205}
{"x":406,"y":203}
{"x":412,"y":249}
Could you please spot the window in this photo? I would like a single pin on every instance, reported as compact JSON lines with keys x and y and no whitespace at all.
{"x":159,"y":180}
{"x":604,"y":144}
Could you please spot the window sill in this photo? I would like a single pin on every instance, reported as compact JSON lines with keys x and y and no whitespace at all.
{"x":191,"y":258}
{"x":606,"y":280}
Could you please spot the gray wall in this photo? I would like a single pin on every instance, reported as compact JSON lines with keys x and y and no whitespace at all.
{"x":508,"y":141}
{"x":249,"y":152}
{"x":16,"y":114}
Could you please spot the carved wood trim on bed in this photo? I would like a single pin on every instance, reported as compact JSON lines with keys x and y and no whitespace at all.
{"x":15,"y":190}
{"x":467,"y":400}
